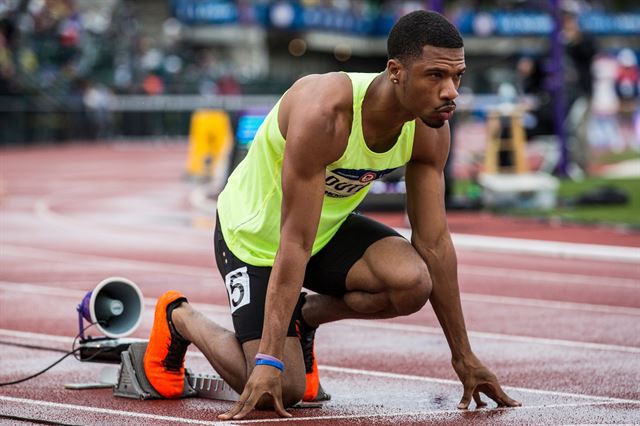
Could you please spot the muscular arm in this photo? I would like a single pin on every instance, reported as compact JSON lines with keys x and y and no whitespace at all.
{"x":431,"y":238}
{"x":430,"y":233}
{"x":315,"y":128}
{"x":315,"y":119}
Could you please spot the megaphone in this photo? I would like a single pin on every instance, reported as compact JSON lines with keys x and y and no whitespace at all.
{"x":114,"y":306}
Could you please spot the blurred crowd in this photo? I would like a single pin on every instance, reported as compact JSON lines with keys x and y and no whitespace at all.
{"x":57,"y":47}
{"x":601,"y":89}
{"x":76,"y":55}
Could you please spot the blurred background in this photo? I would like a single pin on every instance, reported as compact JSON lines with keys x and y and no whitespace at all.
{"x":548,"y":123}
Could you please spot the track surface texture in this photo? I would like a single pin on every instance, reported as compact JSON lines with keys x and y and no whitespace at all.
{"x":553,"y":310}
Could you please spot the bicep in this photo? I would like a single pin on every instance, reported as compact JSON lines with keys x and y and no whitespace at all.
{"x":309,"y":149}
{"x":425,"y":190}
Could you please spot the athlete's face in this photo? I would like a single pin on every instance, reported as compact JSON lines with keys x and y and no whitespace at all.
{"x":428,"y":85}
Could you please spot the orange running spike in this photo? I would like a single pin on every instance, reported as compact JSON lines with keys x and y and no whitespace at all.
{"x":164,"y":358}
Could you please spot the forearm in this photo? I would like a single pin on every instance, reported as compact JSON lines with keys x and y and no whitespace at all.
{"x":282,"y":295}
{"x":445,"y":294}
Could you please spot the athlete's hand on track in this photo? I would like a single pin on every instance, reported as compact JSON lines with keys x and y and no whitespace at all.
{"x":265,"y":381}
{"x":477,"y":378}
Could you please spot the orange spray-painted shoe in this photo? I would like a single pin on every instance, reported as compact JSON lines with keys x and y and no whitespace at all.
{"x":164,"y":357}
{"x":306,"y":333}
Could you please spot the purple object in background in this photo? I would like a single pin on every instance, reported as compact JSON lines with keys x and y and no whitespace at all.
{"x":557,"y":87}
{"x":84,"y":311}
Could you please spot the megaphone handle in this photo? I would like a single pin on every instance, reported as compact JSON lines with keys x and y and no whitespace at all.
{"x":80,"y":322}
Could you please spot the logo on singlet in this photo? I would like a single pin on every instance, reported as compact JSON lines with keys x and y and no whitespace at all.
{"x":237,"y":283}
{"x":341,"y":183}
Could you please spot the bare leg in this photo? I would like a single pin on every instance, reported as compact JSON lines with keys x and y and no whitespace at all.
{"x":390,"y":280}
{"x":234,"y":362}
{"x":218,"y":344}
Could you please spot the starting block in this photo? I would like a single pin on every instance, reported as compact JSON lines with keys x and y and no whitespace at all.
{"x":133,"y":383}
{"x":130,"y":381}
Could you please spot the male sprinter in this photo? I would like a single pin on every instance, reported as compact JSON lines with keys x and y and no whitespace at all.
{"x":285,"y":220}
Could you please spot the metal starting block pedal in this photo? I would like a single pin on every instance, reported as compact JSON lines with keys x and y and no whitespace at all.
{"x":133,"y":383}
{"x":211,"y":386}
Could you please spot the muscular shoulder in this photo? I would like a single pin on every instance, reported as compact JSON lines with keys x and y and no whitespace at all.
{"x":331,"y":92}
{"x":324,"y":97}
{"x":318,"y":109}
{"x":431,"y":146}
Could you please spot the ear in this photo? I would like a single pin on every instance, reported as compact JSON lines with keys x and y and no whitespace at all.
{"x":394,"y":70}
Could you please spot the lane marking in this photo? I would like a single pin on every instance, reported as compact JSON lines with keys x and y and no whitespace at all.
{"x":541,"y":247}
{"x":549,"y":277}
{"x":375,"y":324}
{"x":108,"y":411}
{"x":427,"y":414}
{"x":504,"y":244}
{"x":394,"y":376}
{"x":468,"y":297}
{"x":382,"y":374}
{"x":524,"y":274}
{"x":494,"y":336}
{"x":184,"y":420}
{"x":105,"y":261}
{"x":363,"y":372}
{"x":386,"y":375}
{"x":549,"y":304}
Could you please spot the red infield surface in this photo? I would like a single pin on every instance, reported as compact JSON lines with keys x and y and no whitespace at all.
{"x":558,"y":322}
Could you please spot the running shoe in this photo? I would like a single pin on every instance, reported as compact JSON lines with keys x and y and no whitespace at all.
{"x":164,"y":357}
{"x":306,"y":333}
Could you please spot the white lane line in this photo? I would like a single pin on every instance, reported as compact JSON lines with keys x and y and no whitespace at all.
{"x":386,"y":325}
{"x":184,"y":420}
{"x":107,"y":261}
{"x":542,"y":248}
{"x":506,"y":245}
{"x":424,"y":414}
{"x":370,"y":373}
{"x":108,"y":411}
{"x":186,"y":237}
{"x":493,"y":336}
{"x":385,"y":375}
{"x":467,"y":297}
{"x":549,"y":277}
{"x":486,"y":271}
{"x":549,"y":304}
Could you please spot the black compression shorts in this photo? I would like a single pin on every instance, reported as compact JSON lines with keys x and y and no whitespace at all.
{"x":326,"y":272}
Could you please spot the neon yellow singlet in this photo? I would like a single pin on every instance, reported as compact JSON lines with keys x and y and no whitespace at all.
{"x":249,"y":206}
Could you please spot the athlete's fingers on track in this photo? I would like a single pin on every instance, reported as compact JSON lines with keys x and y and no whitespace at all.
{"x":495,"y":392}
{"x":466,"y":397}
{"x":279,"y":406}
{"x":479,"y":402}
{"x":234,"y":409}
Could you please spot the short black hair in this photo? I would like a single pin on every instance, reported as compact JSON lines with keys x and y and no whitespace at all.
{"x":420,"y":28}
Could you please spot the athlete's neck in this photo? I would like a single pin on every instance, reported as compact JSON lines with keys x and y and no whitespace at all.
{"x":382,"y":115}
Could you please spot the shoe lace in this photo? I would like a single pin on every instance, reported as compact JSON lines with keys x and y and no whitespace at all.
{"x":175,"y":355}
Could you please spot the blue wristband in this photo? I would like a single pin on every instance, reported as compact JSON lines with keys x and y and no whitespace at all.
{"x":276,"y":364}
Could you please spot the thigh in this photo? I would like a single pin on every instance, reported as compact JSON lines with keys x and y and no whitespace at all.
{"x":327,"y":271}
{"x":246,"y":287}
{"x":388,"y":264}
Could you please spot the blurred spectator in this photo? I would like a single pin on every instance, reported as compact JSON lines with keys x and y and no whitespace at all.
{"x":604,"y":131}
{"x":97,"y":99}
{"x":531,"y":80}
{"x":7,"y":67}
{"x":627,"y":86}
{"x":580,"y":49}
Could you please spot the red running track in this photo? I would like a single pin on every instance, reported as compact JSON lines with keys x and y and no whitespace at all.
{"x":561,"y":333}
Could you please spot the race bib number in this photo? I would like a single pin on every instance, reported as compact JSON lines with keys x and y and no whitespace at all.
{"x":237,"y":283}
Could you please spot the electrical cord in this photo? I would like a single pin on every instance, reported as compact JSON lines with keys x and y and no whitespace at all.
{"x":15,"y":382}
{"x":74,"y":350}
